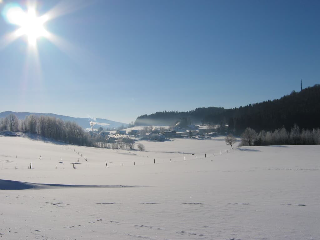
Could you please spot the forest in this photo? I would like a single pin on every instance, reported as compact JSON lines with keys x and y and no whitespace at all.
{"x":169,"y":118}
{"x":301,"y":108}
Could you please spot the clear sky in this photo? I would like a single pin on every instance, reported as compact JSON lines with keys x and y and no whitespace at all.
{"x":118,"y":59}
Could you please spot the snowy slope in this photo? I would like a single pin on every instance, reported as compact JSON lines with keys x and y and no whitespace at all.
{"x":247,"y":193}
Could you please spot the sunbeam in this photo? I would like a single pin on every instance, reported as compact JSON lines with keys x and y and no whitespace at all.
{"x":66,"y":7}
{"x":9,"y":38}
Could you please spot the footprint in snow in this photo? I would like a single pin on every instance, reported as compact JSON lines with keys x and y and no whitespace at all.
{"x":192,"y":203}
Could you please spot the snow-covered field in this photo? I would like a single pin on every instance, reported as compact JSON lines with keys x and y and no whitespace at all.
{"x":244,"y":193}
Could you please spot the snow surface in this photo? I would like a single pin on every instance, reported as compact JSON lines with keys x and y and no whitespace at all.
{"x":243,"y":193}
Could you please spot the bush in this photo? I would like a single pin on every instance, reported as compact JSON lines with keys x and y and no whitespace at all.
{"x":141,"y":147}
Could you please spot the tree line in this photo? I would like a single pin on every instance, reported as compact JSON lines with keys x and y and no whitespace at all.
{"x":281,"y":137}
{"x":64,"y":131}
{"x":48,"y":127}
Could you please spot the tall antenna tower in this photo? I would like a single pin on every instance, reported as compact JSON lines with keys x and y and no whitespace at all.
{"x":301,"y":84}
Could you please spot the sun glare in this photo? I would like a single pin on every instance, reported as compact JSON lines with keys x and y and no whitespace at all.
{"x":30,"y":24}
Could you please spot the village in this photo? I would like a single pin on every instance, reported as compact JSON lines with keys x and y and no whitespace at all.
{"x":155,"y":133}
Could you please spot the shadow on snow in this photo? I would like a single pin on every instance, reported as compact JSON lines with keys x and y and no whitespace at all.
{"x":249,"y":150}
{"x":16,"y":185}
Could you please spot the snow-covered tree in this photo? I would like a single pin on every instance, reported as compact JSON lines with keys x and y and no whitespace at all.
{"x":248,"y":137}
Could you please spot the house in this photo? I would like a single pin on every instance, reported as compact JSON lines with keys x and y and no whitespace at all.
{"x":156,"y":131}
{"x":212,"y":134}
{"x":184,"y":134}
{"x":156,"y":137}
{"x":104,"y":134}
{"x":170,"y":134}
{"x":123,"y":132}
{"x":112,"y":140}
{"x":206,"y":129}
{"x":179,"y":134}
{"x":192,"y":127}
{"x":134,"y":132}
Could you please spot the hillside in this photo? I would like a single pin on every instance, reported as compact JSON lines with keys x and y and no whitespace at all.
{"x":302,"y":108}
{"x":82,"y":122}
{"x":170,"y":118}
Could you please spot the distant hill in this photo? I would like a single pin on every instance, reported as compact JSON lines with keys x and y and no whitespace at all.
{"x":301,"y":108}
{"x":82,"y":122}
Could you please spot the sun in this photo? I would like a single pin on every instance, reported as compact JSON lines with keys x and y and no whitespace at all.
{"x":30,"y":24}
{"x":32,"y":27}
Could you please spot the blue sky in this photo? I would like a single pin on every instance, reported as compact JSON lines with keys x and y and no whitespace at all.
{"x":118,"y":59}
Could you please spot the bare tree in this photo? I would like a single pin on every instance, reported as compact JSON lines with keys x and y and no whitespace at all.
{"x":12,"y":123}
{"x":31,"y":123}
{"x":295,"y":134}
{"x":129,"y":143}
{"x":115,"y":146}
{"x":230,"y":140}
{"x":2,"y":124}
{"x":141,"y":147}
{"x":144,"y":131}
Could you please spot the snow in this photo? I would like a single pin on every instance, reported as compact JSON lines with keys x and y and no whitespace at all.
{"x":244,"y":193}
